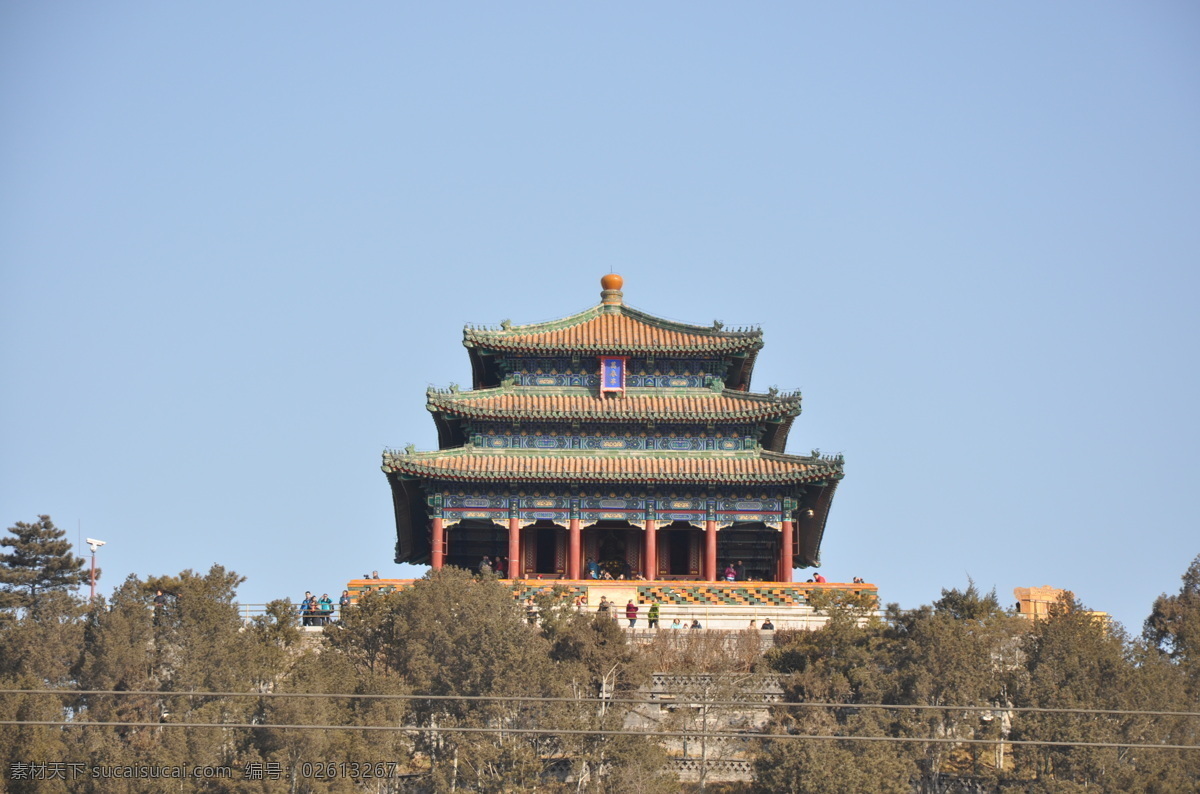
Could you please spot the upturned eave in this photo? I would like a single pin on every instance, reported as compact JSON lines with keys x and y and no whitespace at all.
{"x":690,"y":406}
{"x":614,"y":330}
{"x":469,"y":464}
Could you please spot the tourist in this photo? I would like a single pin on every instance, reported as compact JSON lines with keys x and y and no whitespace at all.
{"x":498,"y":567}
{"x":730,"y":573}
{"x":314,"y":612}
{"x":818,"y":578}
{"x":740,"y":570}
{"x":531,"y":611}
{"x":305,"y":608}
{"x":344,"y":603}
{"x":593,"y":569}
{"x":374,"y":574}
{"x":603,"y":607}
{"x":631,"y":611}
{"x":675,"y":624}
{"x":652,"y":616}
{"x":485,"y":566}
{"x":325,"y":606}
{"x":768,"y":625}
{"x":695,"y":624}
{"x":580,"y":602}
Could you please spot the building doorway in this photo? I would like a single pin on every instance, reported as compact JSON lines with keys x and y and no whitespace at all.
{"x":544,"y":549}
{"x":616,"y":546}
{"x":753,"y":544}
{"x":469,"y":541}
{"x":679,"y":551}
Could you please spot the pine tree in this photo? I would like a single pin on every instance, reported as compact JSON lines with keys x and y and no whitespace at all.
{"x":40,"y":562}
{"x":1076,"y":660}
{"x":1174,"y":625}
{"x":848,"y":660}
{"x":452,"y":635}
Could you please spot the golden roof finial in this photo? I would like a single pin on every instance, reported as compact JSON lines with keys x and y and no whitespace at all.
{"x":611,"y":294}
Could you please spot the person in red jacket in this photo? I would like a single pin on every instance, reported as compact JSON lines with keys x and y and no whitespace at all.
{"x":631,"y":613}
{"x":817,"y":577}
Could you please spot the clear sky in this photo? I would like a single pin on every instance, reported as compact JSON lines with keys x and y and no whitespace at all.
{"x":239,"y":240}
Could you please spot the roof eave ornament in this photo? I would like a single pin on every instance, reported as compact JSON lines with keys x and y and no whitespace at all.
{"x":611,"y":297}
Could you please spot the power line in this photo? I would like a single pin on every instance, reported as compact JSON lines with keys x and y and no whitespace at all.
{"x":661,"y":699}
{"x":596,"y":732}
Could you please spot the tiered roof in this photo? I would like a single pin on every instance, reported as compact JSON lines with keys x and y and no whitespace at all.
{"x":693,"y":406}
{"x":474,"y":464}
{"x":612,"y":328}
{"x":615,"y":330}
{"x":678,"y":405}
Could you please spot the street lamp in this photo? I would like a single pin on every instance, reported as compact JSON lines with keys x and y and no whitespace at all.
{"x":94,"y":544}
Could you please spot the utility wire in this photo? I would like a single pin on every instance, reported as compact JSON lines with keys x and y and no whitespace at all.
{"x":595,"y":732}
{"x":658,"y":699}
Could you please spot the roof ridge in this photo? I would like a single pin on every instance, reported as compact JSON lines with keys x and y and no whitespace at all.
{"x":506,"y":326}
{"x":470,"y":463}
{"x":590,"y":453}
{"x":637,"y":392}
{"x":699,"y":405}
{"x":716,"y":329}
{"x":815,"y":455}
{"x":614,"y":329}
{"x":669,"y":456}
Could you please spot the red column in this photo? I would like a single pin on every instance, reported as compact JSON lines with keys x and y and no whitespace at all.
{"x":710,"y":551}
{"x":438,"y":543}
{"x":650,"y":558}
{"x":785,"y":562}
{"x":514,"y":548}
{"x":573,"y":549}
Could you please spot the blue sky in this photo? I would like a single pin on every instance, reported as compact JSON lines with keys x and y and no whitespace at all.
{"x":238,"y":241}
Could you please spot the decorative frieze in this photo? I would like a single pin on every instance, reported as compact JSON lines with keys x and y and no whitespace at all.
{"x":641,"y":372}
{"x":697,"y":439}
{"x":597,"y":507}
{"x":453,"y":495}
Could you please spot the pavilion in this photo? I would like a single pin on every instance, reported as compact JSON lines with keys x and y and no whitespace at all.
{"x":613,"y":441}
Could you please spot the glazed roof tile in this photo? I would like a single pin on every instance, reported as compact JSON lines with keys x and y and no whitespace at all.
{"x":617,"y":330}
{"x":472,"y":464}
{"x":700,"y":405}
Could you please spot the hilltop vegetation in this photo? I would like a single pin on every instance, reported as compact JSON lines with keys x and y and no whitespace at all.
{"x":436,"y":657}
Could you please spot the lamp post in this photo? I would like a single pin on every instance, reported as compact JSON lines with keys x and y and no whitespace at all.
{"x":94,"y":544}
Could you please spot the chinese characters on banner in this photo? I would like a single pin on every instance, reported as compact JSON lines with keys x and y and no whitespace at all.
{"x":612,"y":374}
